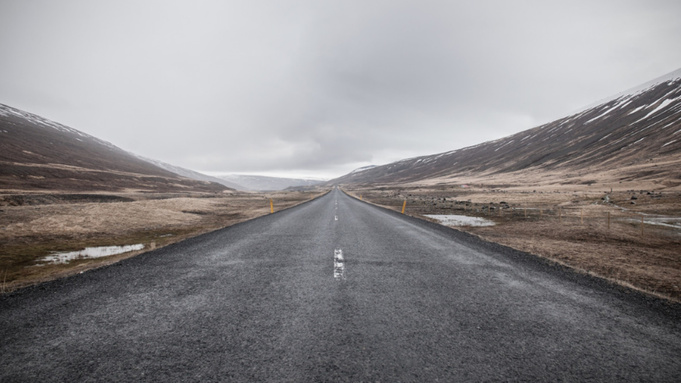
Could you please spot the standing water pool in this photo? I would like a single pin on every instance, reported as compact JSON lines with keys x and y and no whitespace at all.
{"x":90,"y":252}
{"x":460,"y":220}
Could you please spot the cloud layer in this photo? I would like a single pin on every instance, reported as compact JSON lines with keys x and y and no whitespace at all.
{"x":322,"y":87}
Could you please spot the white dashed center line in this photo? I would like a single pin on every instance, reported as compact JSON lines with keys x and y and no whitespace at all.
{"x":338,"y":264}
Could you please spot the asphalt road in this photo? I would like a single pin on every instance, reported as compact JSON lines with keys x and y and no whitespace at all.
{"x":336,"y":290}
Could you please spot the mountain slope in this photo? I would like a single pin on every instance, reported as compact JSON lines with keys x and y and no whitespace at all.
{"x":192,"y":174}
{"x":263,"y":183}
{"x":636,"y":134}
{"x":39,"y":154}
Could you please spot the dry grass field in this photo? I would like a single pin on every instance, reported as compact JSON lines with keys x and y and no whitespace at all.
{"x":565,"y":224}
{"x":35,"y":225}
{"x":592,"y":230}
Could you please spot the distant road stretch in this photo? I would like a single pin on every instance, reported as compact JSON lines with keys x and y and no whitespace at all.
{"x":336,"y":290}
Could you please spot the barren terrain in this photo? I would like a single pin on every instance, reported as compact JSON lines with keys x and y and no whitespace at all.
{"x":631,"y":237}
{"x":35,"y":225}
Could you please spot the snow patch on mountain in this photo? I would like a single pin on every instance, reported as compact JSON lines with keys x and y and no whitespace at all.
{"x":628,"y":128}
{"x":6,"y":111}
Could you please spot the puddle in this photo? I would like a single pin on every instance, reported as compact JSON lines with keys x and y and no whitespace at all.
{"x":673,"y":222}
{"x":461,"y":220}
{"x":90,"y":252}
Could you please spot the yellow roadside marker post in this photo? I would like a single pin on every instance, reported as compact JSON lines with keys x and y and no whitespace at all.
{"x":271,"y":206}
{"x":404,"y":205}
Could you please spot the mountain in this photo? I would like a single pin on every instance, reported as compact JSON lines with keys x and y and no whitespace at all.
{"x":363,"y":168}
{"x":263,"y":183}
{"x":192,"y":174}
{"x":635,"y":135}
{"x":39,"y":154}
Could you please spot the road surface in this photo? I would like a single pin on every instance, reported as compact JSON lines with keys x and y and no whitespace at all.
{"x":336,"y":290}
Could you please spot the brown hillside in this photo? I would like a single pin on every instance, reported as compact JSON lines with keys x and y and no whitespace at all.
{"x":631,"y":137}
{"x":39,"y":154}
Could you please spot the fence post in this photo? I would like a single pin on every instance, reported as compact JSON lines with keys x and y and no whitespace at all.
{"x":608,"y":221}
{"x":641,"y":225}
{"x":560,"y":215}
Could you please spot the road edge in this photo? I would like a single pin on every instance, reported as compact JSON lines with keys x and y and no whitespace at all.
{"x":627,"y":293}
{"x":141,"y":253}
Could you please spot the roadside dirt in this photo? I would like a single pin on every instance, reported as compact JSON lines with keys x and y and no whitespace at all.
{"x":595,"y":232}
{"x":35,"y":225}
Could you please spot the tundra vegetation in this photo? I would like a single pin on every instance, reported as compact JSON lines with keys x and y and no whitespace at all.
{"x":629,"y":236}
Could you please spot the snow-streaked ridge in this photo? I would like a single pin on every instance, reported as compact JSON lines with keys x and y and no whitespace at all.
{"x":671,"y":76}
{"x":622,"y":129}
{"x":6,"y":111}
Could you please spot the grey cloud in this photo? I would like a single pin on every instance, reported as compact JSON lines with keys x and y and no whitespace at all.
{"x":320,"y":87}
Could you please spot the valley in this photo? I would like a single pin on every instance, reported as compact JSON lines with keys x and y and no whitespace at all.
{"x":598,"y":191}
{"x":339,"y":191}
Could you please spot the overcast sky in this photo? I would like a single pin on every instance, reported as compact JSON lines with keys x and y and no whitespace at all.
{"x":317,"y":88}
